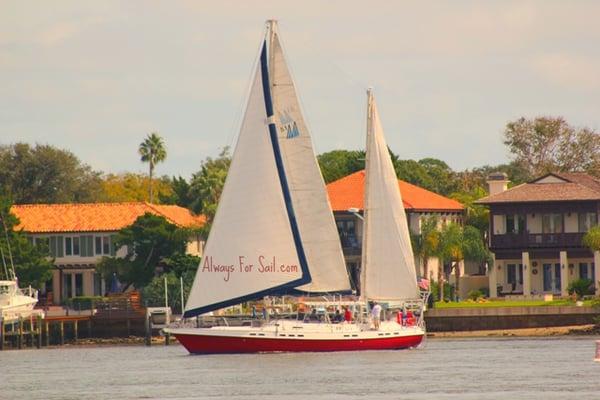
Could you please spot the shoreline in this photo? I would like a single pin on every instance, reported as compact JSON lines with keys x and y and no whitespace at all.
{"x":573,"y":330}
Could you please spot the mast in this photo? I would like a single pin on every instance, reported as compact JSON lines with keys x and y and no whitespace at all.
{"x":363,"y":261}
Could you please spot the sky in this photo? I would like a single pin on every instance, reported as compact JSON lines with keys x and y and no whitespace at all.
{"x":97,"y":77}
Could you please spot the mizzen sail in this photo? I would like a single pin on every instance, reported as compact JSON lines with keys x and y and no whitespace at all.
{"x":387,"y":259}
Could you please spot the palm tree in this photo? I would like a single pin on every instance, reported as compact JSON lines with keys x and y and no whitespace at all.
{"x":153,"y":151}
{"x":591,"y":239}
{"x":425,"y":244}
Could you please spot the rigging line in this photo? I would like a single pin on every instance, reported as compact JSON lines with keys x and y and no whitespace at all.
{"x":4,"y":262}
{"x":8,"y":248}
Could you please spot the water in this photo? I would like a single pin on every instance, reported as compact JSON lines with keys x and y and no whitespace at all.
{"x":548,"y":368}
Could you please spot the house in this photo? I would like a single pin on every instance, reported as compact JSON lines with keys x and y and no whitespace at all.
{"x":536,"y":232}
{"x":79,"y":235}
{"x":346,"y":196}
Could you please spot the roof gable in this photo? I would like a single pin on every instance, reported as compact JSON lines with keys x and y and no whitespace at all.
{"x":96,"y":217}
{"x":348,"y":192}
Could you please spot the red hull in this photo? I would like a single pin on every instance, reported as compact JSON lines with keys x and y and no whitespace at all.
{"x":205,"y":344}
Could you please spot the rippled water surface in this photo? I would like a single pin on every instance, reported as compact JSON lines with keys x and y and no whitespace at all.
{"x":555,"y":368}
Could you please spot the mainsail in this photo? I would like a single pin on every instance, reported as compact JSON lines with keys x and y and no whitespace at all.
{"x":273,"y":214}
{"x":388,"y":264}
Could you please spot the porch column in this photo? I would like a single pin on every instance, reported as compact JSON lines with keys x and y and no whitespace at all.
{"x":597,"y":271}
{"x":526,"y":273}
{"x":492,"y":277}
{"x":564,"y":274}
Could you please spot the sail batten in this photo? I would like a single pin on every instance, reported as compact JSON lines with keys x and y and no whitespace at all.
{"x":388,"y":264}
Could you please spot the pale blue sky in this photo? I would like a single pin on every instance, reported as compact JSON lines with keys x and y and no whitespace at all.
{"x":96,"y":77}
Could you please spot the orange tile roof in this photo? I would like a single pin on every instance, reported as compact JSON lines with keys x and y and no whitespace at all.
{"x":348,"y":192}
{"x":96,"y":217}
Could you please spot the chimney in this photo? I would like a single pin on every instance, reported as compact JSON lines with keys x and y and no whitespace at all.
{"x":497,"y":182}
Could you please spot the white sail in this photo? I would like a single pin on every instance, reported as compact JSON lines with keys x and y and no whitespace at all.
{"x":316,"y":224}
{"x":387,"y":259}
{"x":251,"y":249}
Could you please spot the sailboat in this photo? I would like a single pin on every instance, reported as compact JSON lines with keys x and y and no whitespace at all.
{"x":274,"y":233}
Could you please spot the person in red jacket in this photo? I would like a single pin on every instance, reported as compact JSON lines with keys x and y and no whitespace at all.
{"x":348,"y":315}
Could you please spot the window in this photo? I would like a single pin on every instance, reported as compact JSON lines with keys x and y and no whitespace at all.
{"x":552,"y":223}
{"x":515,"y":223}
{"x":102,"y":245}
{"x":347,"y":232}
{"x":78,"y":284}
{"x":587,"y":221}
{"x":514,"y":275}
{"x":72,"y":245}
{"x":583,"y":270}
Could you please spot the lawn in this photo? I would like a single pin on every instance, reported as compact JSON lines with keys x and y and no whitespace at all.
{"x":508,"y":303}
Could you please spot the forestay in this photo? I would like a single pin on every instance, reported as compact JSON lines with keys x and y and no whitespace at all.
{"x":316,"y":224}
{"x":388,"y":262}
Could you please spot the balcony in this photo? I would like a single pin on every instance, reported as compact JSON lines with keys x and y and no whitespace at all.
{"x":536,"y":240}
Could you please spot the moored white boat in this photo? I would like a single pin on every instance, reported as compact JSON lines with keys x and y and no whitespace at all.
{"x":16,"y":303}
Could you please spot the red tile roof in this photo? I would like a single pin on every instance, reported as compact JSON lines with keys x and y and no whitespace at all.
{"x":348,"y":192}
{"x":96,"y":217}
{"x":574,"y":186}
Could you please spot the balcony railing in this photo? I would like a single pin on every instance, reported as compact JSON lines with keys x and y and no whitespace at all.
{"x":525,"y":240}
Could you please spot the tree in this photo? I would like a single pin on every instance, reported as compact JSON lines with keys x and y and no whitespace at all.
{"x":132,"y":187}
{"x":337,"y":164}
{"x":547,"y":144}
{"x":45,"y":174}
{"x":476,"y":215}
{"x":179,"y":193}
{"x":32,"y":263}
{"x":458,"y":244}
{"x":591,"y":238}
{"x":153,"y":151}
{"x":207,"y":185}
{"x":150,"y":240}
{"x":425,"y":244}
{"x":429,"y":173}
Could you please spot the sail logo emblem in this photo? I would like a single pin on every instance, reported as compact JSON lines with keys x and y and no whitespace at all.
{"x":288,"y":126}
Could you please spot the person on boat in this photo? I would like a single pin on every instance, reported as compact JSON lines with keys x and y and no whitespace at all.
{"x":337,"y":317}
{"x":313,"y":315}
{"x":376,"y":315}
{"x":348,"y":315}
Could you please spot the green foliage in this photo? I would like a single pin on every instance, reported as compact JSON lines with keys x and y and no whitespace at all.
{"x":581,"y":287}
{"x":181,"y":264}
{"x":207,"y":184}
{"x":448,"y":291}
{"x":339,"y":163}
{"x":475,"y":295}
{"x":154,"y":292}
{"x":152,"y":150}
{"x":179,"y":193}
{"x":546,"y":144}
{"x":153,"y":239}
{"x":33,"y":265}
{"x":133,"y":187}
{"x":45,"y":174}
{"x":476,"y":215}
{"x":591,"y":238}
{"x":425,"y":245}
{"x":429,"y":173}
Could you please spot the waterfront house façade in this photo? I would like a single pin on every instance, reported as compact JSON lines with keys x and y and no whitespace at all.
{"x":536,"y":232}
{"x":346,"y":196}
{"x":79,"y":235}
